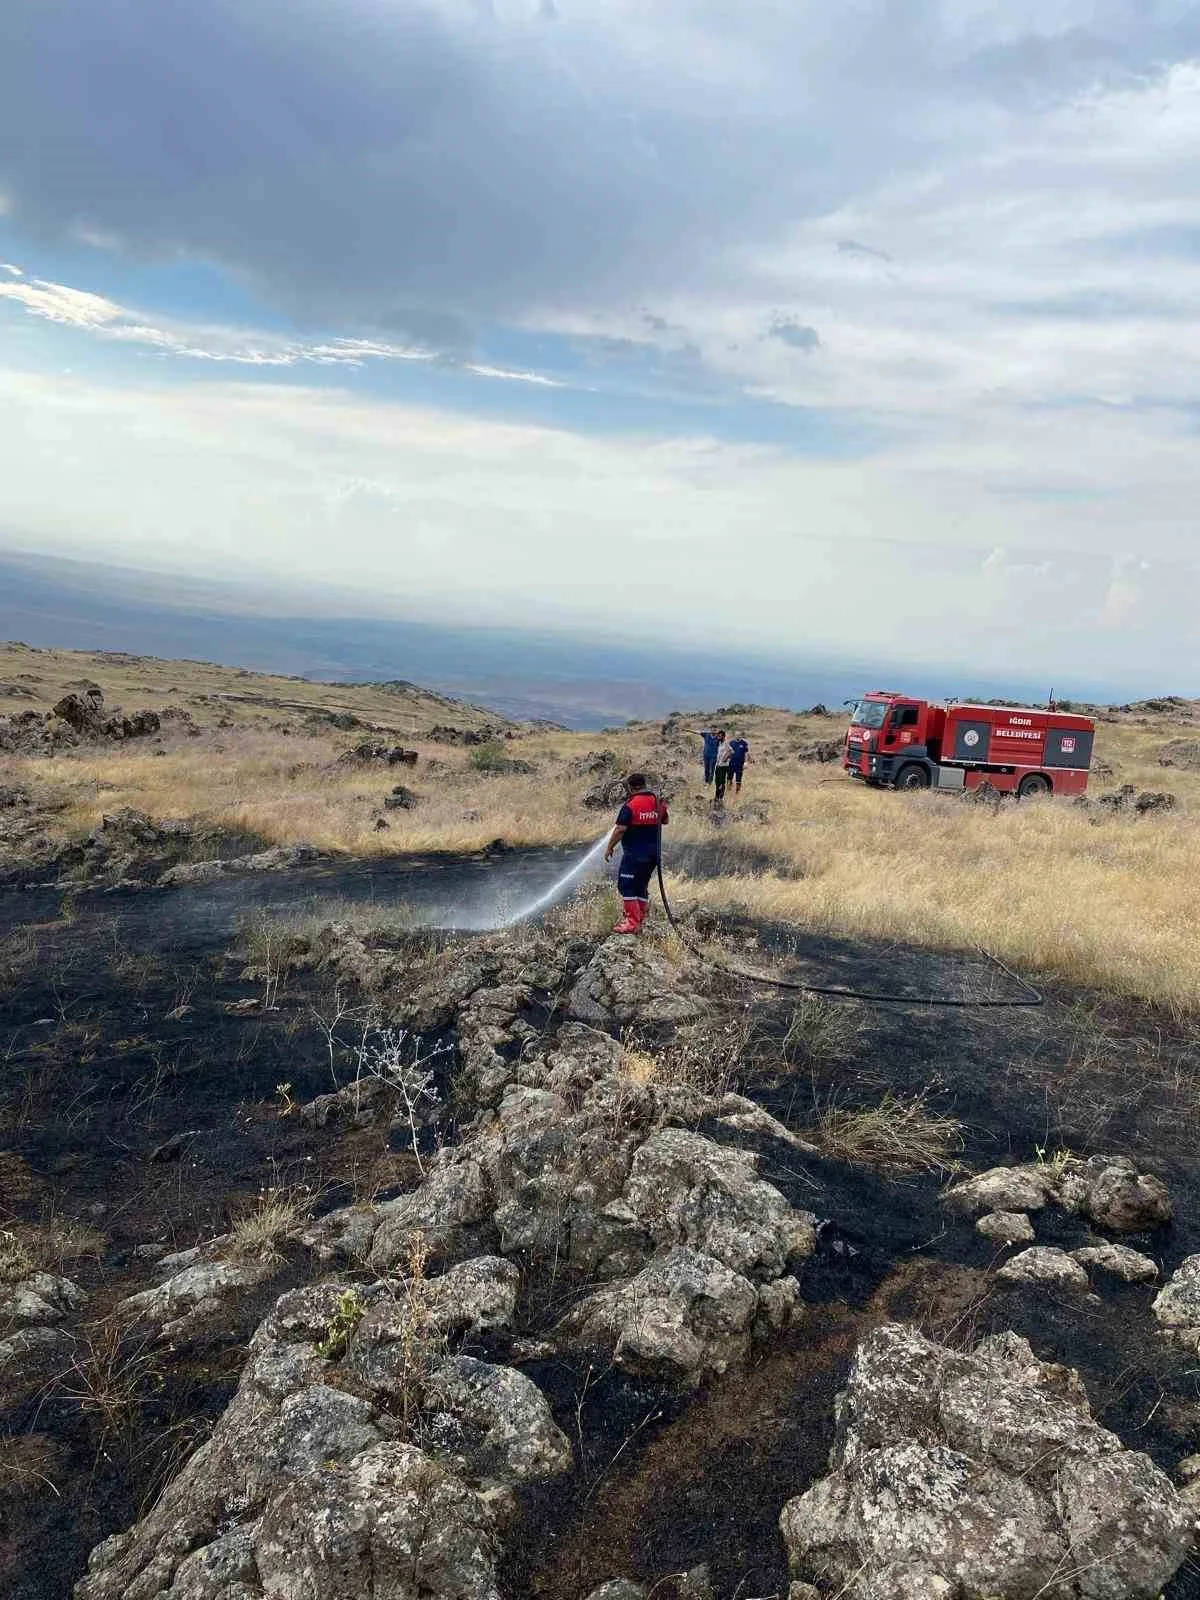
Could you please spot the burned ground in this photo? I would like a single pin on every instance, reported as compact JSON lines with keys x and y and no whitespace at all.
{"x":148,"y":1095}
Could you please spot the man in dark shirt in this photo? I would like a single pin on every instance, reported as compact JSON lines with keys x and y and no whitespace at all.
{"x":741,"y":749}
{"x":638,"y":831}
{"x":712,"y":743}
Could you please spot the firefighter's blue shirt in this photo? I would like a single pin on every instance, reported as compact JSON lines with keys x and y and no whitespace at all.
{"x":711,"y":745}
{"x":740,"y":751}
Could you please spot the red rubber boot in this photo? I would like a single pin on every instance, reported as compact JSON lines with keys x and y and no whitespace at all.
{"x":640,"y":909}
{"x":630,"y":922}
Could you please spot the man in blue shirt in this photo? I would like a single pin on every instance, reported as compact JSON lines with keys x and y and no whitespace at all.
{"x":737,"y":766}
{"x":712,"y":743}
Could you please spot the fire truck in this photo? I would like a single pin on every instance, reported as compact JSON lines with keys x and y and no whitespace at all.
{"x":905,"y":743}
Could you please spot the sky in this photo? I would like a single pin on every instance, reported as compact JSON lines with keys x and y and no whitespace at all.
{"x":781,"y":325}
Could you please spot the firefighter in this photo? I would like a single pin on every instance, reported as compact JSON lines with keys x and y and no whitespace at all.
{"x":638,"y":831}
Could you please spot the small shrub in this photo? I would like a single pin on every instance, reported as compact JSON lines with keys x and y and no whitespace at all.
{"x":345,"y":1319}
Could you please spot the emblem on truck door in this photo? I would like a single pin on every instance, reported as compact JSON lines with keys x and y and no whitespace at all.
{"x":971,"y":737}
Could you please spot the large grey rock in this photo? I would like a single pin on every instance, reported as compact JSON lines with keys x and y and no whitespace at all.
{"x":968,"y":1476}
{"x":203,"y":1286}
{"x":509,"y":1436}
{"x":1044,"y":1264}
{"x":393,"y":1525}
{"x":403,"y":1327}
{"x":446,"y":1216}
{"x":302,"y":1493}
{"x":684,"y":1189}
{"x":683,"y":1316}
{"x":1108,"y":1190}
{"x":1001,"y":1189}
{"x":38,"y":1300}
{"x":1118,"y":1260}
{"x":631,"y":980}
{"x":1006,"y":1227}
{"x":1112,"y":1193}
{"x":1177,"y":1304}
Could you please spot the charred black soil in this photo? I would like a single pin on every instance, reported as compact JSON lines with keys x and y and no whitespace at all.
{"x":148,"y":1088}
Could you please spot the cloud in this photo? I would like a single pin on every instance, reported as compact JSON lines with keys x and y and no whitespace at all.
{"x":447,"y":159}
{"x":796,"y":334}
{"x":499,"y":522}
{"x":93,"y":313}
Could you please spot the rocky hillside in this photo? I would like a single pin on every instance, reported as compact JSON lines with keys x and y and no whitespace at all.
{"x":562,"y":1265}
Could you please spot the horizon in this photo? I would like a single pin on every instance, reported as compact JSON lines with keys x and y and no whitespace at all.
{"x":870,"y":328}
{"x":582,"y":682}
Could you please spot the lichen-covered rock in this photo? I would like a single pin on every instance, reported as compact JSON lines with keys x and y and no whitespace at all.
{"x":682,"y":1316}
{"x":401,"y":1321}
{"x":631,"y":980}
{"x":1108,"y":1190}
{"x":619,"y":1589}
{"x":1177,"y":1304}
{"x":684,"y":1189}
{"x":448,"y":1215}
{"x":968,"y":1476}
{"x":38,"y":1300}
{"x":392,"y":1524}
{"x":1006,"y":1227}
{"x":509,"y":1436}
{"x":201,"y":1285}
{"x":1046,"y":1265}
{"x":1112,"y":1193}
{"x":1118,"y":1260}
{"x":1001,"y":1189}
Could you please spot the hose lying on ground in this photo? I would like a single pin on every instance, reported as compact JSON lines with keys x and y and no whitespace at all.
{"x":1031,"y":997}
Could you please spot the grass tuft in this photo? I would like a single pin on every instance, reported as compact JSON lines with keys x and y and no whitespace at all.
{"x":897,"y":1136}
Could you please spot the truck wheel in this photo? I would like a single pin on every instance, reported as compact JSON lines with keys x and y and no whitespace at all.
{"x":1035,"y":783}
{"x":912,"y":776}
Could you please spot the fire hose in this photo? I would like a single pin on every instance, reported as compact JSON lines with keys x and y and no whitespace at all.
{"x":1031,"y":996}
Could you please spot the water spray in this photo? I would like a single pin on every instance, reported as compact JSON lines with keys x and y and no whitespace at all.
{"x":556,"y":890}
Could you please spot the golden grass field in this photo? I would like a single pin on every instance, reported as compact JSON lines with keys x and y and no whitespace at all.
{"x":1099,"y":899}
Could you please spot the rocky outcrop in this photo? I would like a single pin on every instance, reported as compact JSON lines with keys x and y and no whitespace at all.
{"x":281,"y":858}
{"x":968,"y":1476}
{"x":629,"y":980}
{"x":308,"y":1492}
{"x":1108,"y":1190}
{"x":1117,"y":1261}
{"x":199,"y":1287}
{"x":823,"y":751}
{"x":37,"y":1301}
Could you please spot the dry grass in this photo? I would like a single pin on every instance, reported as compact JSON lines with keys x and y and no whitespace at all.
{"x":1094,"y":898}
{"x":47,"y":1247}
{"x":895,"y":1136}
{"x":258,"y":1234}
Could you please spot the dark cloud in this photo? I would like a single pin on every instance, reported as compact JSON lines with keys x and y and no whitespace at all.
{"x":419,"y":164}
{"x":851,"y":247}
{"x":796,"y":334}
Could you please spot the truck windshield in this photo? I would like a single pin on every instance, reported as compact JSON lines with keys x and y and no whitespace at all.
{"x":869,"y":713}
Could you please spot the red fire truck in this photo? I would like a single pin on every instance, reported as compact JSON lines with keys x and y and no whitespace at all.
{"x":909,"y":744}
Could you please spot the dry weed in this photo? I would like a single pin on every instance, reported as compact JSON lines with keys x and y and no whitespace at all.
{"x":258,"y":1233}
{"x":898,"y":1135}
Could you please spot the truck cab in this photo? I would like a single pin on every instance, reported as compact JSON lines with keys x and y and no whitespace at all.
{"x":893,"y":736}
